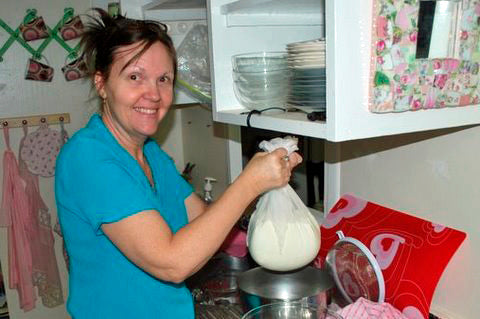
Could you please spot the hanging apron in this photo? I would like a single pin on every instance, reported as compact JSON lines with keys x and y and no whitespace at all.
{"x":45,"y":270}
{"x":14,"y":216}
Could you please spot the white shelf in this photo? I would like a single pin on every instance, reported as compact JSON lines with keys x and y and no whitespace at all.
{"x":174,"y":10}
{"x":348,"y":55}
{"x":272,"y":7}
{"x":286,"y":122}
{"x":267,"y":38}
{"x":274,"y":12}
{"x":174,"y":4}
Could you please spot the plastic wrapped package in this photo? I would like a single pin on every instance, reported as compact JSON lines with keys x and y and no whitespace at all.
{"x":193,"y":64}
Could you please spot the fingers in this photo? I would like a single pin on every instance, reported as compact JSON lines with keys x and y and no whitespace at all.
{"x":295,"y":159}
{"x":280,"y":152}
{"x":269,"y":170}
{"x":287,"y":163}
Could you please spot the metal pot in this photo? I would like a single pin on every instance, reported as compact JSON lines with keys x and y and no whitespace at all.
{"x":216,"y":282}
{"x":309,"y":285}
{"x":227,"y":263}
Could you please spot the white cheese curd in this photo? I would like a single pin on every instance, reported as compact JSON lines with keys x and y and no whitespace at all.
{"x":299,"y":247}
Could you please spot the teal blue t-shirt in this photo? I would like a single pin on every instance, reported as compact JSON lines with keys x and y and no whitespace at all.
{"x":96,"y":182}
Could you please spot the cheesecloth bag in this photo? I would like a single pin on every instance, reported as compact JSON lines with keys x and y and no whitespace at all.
{"x":282,"y":233}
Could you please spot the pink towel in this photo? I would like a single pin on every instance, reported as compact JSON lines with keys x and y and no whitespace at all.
{"x":46,"y":276}
{"x":31,"y":256}
{"x":14,"y":215}
{"x":366,"y":309}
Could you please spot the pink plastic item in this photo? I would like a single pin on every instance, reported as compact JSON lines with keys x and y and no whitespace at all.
{"x":236,"y":243}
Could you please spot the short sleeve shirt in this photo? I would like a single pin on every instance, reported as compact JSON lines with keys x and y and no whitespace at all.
{"x":97,"y":181}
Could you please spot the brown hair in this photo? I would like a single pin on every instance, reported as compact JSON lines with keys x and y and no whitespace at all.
{"x":104,"y":35}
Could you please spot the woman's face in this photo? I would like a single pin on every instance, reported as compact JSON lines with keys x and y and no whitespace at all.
{"x":138,"y":96}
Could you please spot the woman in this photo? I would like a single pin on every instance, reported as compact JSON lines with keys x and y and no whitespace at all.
{"x":133,"y":228}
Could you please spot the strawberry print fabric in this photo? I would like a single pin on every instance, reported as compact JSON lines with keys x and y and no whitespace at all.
{"x":412,"y":252}
{"x":40,"y":150}
{"x":366,"y":309}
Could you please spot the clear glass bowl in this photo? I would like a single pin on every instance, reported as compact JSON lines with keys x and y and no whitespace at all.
{"x":258,"y":97}
{"x":260,"y":90}
{"x":290,"y":310}
{"x":263,"y":76}
{"x":259,"y":61}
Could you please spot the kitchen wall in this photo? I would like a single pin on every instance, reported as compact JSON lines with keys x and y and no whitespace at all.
{"x":205,"y":145}
{"x":23,"y":98}
{"x":433,"y":175}
{"x":182,"y":134}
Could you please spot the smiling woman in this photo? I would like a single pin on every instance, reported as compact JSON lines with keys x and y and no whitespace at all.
{"x":138,"y":93}
{"x":133,"y":228}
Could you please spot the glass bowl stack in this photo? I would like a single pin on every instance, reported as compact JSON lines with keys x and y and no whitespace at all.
{"x":291,"y":310}
{"x":261,"y":79}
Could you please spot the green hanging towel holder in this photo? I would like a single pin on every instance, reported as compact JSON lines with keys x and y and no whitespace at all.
{"x":53,"y":35}
{"x":15,"y":35}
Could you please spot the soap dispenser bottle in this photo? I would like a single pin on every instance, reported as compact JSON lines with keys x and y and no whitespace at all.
{"x":207,"y":189}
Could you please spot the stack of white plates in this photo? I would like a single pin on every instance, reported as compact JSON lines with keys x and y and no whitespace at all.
{"x":306,"y":54}
{"x":306,"y":61}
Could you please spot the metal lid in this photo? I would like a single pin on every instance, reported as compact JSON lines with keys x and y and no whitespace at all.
{"x":355,"y":270}
{"x":293,"y":285}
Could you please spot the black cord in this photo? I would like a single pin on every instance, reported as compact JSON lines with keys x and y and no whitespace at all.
{"x":259,"y":112}
{"x":250,"y":115}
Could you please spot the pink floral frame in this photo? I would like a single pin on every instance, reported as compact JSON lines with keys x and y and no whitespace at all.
{"x":400,"y":82}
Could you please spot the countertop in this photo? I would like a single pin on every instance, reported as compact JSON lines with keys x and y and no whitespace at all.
{"x":218,"y":311}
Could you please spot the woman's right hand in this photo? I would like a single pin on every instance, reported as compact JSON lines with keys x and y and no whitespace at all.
{"x":270,"y":170}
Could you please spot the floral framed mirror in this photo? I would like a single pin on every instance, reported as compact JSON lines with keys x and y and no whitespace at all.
{"x":425,"y":54}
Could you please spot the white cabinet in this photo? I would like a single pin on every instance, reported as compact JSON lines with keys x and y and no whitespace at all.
{"x":168,"y":10}
{"x":268,"y":25}
{"x":241,"y":26}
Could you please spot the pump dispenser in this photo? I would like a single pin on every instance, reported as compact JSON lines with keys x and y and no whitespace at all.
{"x":207,"y":189}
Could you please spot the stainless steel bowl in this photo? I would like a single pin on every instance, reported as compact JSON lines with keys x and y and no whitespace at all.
{"x":260,"y":286}
{"x":232,"y":263}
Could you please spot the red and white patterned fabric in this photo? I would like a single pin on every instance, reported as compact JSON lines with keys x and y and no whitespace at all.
{"x":412,"y":252}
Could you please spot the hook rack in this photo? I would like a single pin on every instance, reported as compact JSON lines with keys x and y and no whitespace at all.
{"x":37,"y":54}
{"x":35,"y":120}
